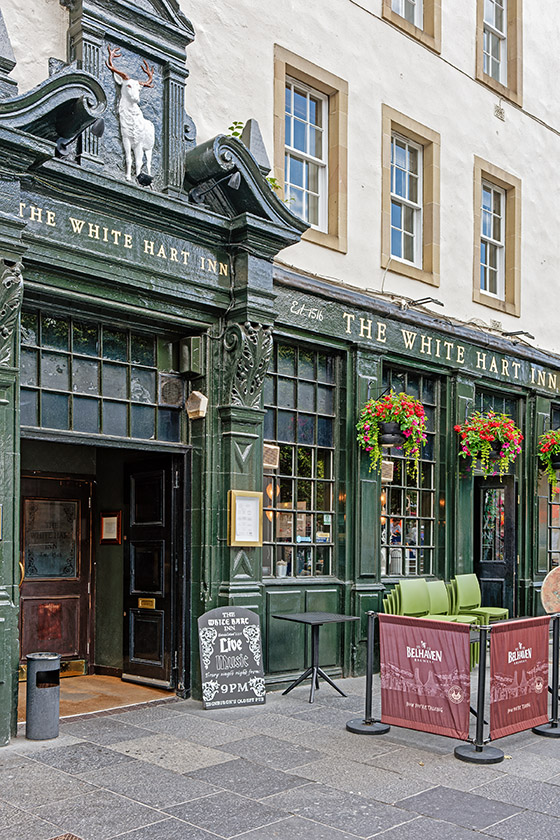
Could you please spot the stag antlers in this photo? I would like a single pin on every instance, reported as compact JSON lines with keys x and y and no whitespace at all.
{"x":115,"y":52}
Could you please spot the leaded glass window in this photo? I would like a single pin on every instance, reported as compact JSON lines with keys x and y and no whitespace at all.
{"x":302,"y":497}
{"x":81,"y":376}
{"x":411,"y":505}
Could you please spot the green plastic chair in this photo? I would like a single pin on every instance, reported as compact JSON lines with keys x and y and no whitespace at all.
{"x":467,"y":594}
{"x":415,"y":600}
{"x":439,"y":603}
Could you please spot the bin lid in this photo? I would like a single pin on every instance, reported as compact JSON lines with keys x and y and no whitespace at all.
{"x":43,"y":656}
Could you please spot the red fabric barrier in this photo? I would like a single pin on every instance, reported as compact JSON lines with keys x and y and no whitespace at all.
{"x":518,"y":675}
{"x":425,"y":676}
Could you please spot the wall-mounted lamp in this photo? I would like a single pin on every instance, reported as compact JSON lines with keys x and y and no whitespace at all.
{"x":233,"y":181}
{"x":406,"y":304}
{"x":196,"y":405}
{"x":518,"y":332}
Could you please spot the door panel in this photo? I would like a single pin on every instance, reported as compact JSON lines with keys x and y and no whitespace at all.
{"x":152,"y":547}
{"x":56,"y":566}
{"x":495,"y":541}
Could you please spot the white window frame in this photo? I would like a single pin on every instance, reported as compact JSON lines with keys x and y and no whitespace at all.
{"x":400,"y":8}
{"x":415,"y":206}
{"x":490,"y":241}
{"x":322,"y":162}
{"x":490,"y":30}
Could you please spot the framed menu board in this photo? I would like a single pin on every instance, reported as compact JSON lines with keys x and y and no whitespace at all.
{"x":245,"y":517}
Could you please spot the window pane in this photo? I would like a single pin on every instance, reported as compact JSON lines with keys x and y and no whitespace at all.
{"x":312,"y":209}
{"x":115,"y":345}
{"x":115,"y":419}
{"x":54,"y":333}
{"x":85,"y":376}
{"x":300,"y":143}
{"x":54,"y":371}
{"x":286,"y":426}
{"x":325,"y":400}
{"x":169,"y":424}
{"x":85,"y":415}
{"x":85,"y":339}
{"x":305,"y":462}
{"x":316,"y":142}
{"x":306,"y":429}
{"x":142,"y":350}
{"x":142,"y":421}
{"x":28,"y":367}
{"x":29,"y":415}
{"x":286,"y":460}
{"x":300,"y":105}
{"x":142,"y":385}
{"x":325,"y":431}
{"x":306,"y":367}
{"x":306,"y":396}
{"x":286,"y":360}
{"x":115,"y":381}
{"x":288,"y":131}
{"x":29,"y":331}
{"x":54,"y":410}
{"x":325,"y":368}
{"x":313,"y":177}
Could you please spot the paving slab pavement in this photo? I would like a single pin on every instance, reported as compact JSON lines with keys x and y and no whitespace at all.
{"x":283,"y":771}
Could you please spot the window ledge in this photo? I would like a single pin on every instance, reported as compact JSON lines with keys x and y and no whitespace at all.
{"x":501,"y":89}
{"x":495,"y":303}
{"x":327,"y":240}
{"x":408,"y":270}
{"x":432,"y":18}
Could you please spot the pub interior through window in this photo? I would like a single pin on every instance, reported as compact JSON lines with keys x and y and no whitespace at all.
{"x":549,"y":514}
{"x":302,"y":498}
{"x":410,"y":504}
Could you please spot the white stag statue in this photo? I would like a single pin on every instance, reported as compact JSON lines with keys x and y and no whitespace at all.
{"x":136,"y":131}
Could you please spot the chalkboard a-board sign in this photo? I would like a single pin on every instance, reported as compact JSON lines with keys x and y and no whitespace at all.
{"x":231,"y":658}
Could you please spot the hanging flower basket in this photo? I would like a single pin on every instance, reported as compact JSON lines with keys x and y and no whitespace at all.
{"x":492,"y":438}
{"x":548,"y":450}
{"x":409,"y":433}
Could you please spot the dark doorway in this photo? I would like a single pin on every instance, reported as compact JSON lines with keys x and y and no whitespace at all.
{"x":155,"y":574}
{"x":495,"y":543}
{"x":55,"y":568}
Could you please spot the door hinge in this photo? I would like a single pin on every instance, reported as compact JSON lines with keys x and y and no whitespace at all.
{"x":89,"y":588}
{"x":87,"y":647}
{"x":89,"y":502}
{"x":176,"y":484}
{"x":175,"y":660}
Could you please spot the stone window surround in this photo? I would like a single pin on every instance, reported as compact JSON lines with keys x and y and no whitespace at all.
{"x":513,"y":90}
{"x":288,"y":64}
{"x":395,"y":122}
{"x":484,"y":171}
{"x":430,"y":34}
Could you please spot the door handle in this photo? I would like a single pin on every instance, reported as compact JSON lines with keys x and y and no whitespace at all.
{"x":21,"y":573}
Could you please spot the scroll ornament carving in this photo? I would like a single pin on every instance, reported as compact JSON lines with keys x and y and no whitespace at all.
{"x":249,"y":347}
{"x":11,"y":295}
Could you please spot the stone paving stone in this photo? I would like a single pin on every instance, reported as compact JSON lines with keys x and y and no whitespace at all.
{"x":169,"y":829}
{"x":103,"y":730}
{"x":437,"y":769}
{"x":365,"y":749}
{"x":248,"y":779}
{"x":326,"y":716}
{"x":35,"y":784}
{"x":370,"y":782}
{"x":149,"y":784}
{"x":530,"y":765}
{"x":226,"y":813}
{"x":142,"y":717}
{"x":172,"y":753}
{"x":79,"y":758}
{"x":424,"y":828}
{"x":525,"y":825}
{"x":98,"y":815}
{"x":525,"y":793}
{"x":275,"y":725}
{"x":423,"y":740}
{"x":29,"y":827}
{"x":339,"y":809}
{"x":466,"y":809}
{"x":209,"y":733}
{"x":273,"y":752}
{"x":296,"y":828}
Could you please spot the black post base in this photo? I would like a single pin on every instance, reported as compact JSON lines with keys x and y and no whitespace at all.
{"x":547,"y":730}
{"x":360,"y":727}
{"x":484,"y":755}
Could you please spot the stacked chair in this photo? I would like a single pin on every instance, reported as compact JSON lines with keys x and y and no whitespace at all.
{"x":419,"y":598}
{"x":465,"y":598}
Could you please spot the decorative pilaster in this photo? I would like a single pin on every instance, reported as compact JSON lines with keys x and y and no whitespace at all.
{"x":249,"y":348}
{"x":173,"y":126}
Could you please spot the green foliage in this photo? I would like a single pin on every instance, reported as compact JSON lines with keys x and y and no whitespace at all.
{"x":477,"y":436}
{"x":548,"y":446}
{"x":407,"y":411}
{"x":236,"y":128}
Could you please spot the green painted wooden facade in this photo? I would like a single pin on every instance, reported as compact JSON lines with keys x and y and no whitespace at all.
{"x":76,"y":239}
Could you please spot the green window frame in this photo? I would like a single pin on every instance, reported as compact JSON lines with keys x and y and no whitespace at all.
{"x":96,"y":379}
{"x":412,"y":508}
{"x":303,"y":498}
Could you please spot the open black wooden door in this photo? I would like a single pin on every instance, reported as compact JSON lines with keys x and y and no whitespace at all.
{"x":495,"y":542}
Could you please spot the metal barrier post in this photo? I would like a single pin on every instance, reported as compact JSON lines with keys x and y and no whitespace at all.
{"x":478,"y":752}
{"x":551,"y":729}
{"x":367,"y":725}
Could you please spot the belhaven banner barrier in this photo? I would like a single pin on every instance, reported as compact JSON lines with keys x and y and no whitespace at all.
{"x":518,"y":675}
{"x":425,"y":674}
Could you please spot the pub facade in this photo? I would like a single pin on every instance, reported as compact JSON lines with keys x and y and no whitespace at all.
{"x":152,"y":356}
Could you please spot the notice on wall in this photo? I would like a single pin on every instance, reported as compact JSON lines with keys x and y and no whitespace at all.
{"x":425,"y":675}
{"x":231,"y":658}
{"x":518,"y":675}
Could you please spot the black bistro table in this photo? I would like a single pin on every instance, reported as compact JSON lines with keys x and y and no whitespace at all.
{"x":314,"y":620}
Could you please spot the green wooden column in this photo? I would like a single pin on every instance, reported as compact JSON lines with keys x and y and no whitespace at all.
{"x":462,"y":563}
{"x":11,"y":293}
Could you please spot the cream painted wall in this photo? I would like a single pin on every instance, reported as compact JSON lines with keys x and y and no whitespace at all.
{"x":231,"y":78}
